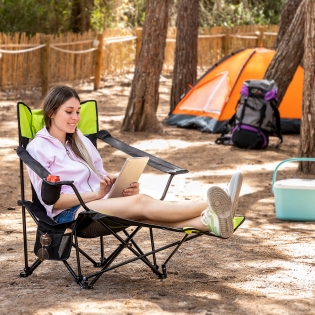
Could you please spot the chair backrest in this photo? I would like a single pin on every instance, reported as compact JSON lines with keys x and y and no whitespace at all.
{"x":31,"y":121}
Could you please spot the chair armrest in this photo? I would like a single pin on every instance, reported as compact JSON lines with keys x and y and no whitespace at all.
{"x":34,"y":165}
{"x":51,"y":196}
{"x":60,"y":183}
{"x":154,"y":161}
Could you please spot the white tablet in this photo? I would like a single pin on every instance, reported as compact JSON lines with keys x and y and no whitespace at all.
{"x":130,"y":173}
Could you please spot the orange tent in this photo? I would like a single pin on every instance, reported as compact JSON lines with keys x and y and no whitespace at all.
{"x":211,"y":102}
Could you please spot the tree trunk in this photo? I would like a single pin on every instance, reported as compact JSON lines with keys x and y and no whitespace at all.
{"x":186,"y":53}
{"x":80,"y":15}
{"x":143,"y":101}
{"x":307,"y":135}
{"x":288,"y":12}
{"x":289,"y":54}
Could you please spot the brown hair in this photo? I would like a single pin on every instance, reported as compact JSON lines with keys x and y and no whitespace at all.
{"x":56,"y":97}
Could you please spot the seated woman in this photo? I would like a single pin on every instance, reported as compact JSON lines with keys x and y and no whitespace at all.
{"x":63,"y":150}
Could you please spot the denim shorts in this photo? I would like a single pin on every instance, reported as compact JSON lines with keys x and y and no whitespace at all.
{"x":67,"y":215}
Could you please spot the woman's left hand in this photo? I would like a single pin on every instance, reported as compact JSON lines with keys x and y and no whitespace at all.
{"x":132,"y":190}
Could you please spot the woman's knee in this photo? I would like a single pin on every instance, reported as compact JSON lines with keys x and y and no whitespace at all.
{"x":142,"y":199}
{"x":142,"y":202}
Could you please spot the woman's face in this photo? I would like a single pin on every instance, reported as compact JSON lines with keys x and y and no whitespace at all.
{"x":65,"y":119}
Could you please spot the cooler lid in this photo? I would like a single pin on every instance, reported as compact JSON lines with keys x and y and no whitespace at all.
{"x":295,"y":183}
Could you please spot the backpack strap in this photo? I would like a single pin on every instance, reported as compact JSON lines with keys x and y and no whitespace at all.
{"x":278,"y":125}
{"x":225,"y":138}
{"x":243,"y":110}
{"x":262,"y":115}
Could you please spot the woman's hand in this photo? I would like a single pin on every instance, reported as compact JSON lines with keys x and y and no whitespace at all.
{"x":105,"y":185}
{"x":132,"y":190}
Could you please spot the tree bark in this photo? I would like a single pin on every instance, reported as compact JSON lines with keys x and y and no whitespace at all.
{"x":307,"y":135}
{"x":289,"y":54}
{"x":80,"y":15}
{"x":186,"y":52}
{"x":143,"y":101}
{"x":288,"y":12}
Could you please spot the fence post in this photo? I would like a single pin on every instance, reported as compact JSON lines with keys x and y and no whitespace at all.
{"x":260,"y":39}
{"x":227,"y":41}
{"x":138,"y":42}
{"x":45,"y":63}
{"x":98,"y":62}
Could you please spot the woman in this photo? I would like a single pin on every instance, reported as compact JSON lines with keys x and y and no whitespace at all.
{"x":62,"y":149}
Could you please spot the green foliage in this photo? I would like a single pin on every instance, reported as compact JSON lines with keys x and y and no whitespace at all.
{"x":239,"y":12}
{"x":31,"y":16}
{"x":130,"y":13}
{"x":52,"y":16}
{"x":272,"y":10}
{"x":102,"y":14}
{"x":58,"y":16}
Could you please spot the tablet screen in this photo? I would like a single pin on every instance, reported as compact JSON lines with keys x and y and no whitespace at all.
{"x":130,"y":173}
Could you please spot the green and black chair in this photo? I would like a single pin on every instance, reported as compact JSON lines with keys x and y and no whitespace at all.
{"x":54,"y":241}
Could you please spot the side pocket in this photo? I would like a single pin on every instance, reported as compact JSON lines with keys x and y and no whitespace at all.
{"x":60,"y":244}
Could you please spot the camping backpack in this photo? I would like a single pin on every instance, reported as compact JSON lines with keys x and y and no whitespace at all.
{"x":252,"y":123}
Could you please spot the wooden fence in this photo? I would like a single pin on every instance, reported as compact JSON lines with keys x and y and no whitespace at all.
{"x":43,"y":59}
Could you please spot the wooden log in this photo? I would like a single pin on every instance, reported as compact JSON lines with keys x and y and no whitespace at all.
{"x":98,"y":62}
{"x":45,"y":63}
{"x":260,"y":39}
{"x":227,"y":42}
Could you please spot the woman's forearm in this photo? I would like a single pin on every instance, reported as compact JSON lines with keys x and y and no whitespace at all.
{"x":66,"y":201}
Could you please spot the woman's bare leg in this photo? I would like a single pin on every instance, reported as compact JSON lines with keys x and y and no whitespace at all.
{"x":143,"y":207}
{"x":215,"y":214}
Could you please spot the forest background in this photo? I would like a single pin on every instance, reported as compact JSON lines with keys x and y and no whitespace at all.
{"x":60,"y":16}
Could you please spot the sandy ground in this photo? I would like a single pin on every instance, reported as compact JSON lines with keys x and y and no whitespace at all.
{"x":266,"y":267}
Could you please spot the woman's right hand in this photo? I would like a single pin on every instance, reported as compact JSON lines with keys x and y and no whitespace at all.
{"x":105,"y":185}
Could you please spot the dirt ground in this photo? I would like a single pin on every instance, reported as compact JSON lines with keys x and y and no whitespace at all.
{"x":266,"y":267}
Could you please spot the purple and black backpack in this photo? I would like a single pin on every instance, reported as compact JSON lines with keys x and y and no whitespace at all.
{"x":256,"y":117}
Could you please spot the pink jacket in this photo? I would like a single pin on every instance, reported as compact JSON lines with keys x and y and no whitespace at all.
{"x":60,"y":160}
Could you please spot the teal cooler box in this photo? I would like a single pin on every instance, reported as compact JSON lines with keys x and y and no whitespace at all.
{"x":294,"y":197}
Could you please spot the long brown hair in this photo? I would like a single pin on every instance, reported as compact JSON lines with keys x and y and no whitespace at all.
{"x":56,"y":97}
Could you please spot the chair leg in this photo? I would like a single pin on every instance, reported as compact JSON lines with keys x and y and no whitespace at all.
{"x":184,"y":239}
{"x":28,"y":270}
{"x":24,"y":239}
{"x":153,"y":249}
{"x":102,"y":259}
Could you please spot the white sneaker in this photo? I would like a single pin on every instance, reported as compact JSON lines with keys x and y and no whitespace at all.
{"x":233,"y":190}
{"x":218,"y":216}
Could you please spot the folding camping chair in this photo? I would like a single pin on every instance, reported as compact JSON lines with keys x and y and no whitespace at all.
{"x":52,"y":240}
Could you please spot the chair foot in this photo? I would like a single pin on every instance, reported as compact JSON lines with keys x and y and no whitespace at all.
{"x":27,"y":272}
{"x":164,"y":271}
{"x":101,"y":263}
{"x":84,"y":284}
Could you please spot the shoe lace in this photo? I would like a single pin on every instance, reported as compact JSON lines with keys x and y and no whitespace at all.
{"x":204,"y":216}
{"x":227,"y":189}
